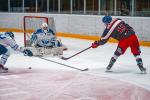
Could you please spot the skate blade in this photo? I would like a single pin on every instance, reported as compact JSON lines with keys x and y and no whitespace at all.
{"x":143,"y":72}
{"x":4,"y":71}
{"x":108,"y":71}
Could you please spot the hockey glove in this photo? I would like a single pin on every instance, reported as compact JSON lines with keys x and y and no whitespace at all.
{"x":27,"y":52}
{"x":95,"y":44}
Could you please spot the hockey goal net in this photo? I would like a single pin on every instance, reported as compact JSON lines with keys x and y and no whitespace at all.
{"x":32,"y":23}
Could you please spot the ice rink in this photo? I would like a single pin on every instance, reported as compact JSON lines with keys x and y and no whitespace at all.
{"x":51,"y":81}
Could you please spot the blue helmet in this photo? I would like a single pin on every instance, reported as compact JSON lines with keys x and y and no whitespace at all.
{"x":107,"y":19}
{"x":10,"y":34}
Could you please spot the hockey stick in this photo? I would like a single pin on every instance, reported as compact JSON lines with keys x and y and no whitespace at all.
{"x":66,"y":58}
{"x":85,"y":69}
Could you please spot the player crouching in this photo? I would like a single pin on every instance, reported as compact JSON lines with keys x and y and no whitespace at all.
{"x":7,"y":40}
{"x":44,"y":42}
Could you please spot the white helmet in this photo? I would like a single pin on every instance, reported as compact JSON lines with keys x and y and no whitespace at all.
{"x":44,"y":26}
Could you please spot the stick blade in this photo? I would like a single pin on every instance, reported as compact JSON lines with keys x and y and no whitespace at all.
{"x":63,"y":58}
{"x":86,"y":69}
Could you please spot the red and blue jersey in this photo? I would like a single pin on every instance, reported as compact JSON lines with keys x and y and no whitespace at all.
{"x":118,"y":30}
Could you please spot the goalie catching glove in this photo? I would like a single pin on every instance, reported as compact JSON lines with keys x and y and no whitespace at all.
{"x":27,"y":52}
{"x":95,"y":44}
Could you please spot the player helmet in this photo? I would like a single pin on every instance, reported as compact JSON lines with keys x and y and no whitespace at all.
{"x":107,"y":19}
{"x":44,"y":26}
{"x":10,"y":34}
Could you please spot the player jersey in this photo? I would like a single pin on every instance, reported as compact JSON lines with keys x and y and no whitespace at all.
{"x":118,"y":30}
{"x":42,"y":38}
{"x":8,"y":41}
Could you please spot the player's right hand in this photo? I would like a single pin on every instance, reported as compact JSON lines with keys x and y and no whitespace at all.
{"x":95,"y":44}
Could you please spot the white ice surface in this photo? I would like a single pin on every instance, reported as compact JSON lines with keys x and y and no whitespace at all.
{"x":125,"y":69}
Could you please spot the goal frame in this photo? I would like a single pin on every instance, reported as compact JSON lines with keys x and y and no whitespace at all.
{"x":24,"y":27}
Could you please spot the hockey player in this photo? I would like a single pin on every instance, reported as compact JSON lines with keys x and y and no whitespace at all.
{"x":44,"y":37}
{"x":7,"y":40}
{"x":125,"y":34}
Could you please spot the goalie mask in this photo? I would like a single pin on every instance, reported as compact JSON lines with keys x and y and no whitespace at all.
{"x":44,"y":27}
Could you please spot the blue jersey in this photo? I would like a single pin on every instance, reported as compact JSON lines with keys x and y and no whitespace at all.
{"x":117,"y":29}
{"x":42,"y":38}
{"x":8,"y":41}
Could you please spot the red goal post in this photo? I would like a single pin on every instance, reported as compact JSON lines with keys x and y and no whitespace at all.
{"x":32,"y":23}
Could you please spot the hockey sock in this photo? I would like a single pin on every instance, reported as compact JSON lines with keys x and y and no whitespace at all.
{"x":4,"y":58}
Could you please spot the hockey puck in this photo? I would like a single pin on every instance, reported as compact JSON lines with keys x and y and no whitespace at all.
{"x":30,"y":68}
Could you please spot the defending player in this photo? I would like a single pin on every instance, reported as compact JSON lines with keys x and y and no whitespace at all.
{"x":45,"y":41}
{"x":45,"y":37}
{"x":125,"y":34}
{"x":7,"y":40}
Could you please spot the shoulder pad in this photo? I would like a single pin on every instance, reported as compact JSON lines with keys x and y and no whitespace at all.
{"x":2,"y":36}
{"x":38,"y":31}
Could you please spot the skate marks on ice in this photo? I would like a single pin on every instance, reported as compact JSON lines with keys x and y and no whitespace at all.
{"x":68,"y":85}
{"x":130,"y":75}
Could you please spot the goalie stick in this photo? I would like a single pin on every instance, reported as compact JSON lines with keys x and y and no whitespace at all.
{"x":66,"y":58}
{"x":85,"y":69}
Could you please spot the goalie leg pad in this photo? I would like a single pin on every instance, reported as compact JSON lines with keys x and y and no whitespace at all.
{"x":57,"y":51}
{"x":36,"y":51}
{"x":44,"y":51}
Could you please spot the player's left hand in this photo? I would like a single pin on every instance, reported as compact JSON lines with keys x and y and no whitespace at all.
{"x":95,"y":44}
{"x":28,"y":52}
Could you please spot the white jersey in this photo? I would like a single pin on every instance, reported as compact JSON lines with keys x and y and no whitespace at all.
{"x":8,"y":41}
{"x":41,"y":38}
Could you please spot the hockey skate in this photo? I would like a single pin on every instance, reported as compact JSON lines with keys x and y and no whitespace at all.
{"x":111,"y":63}
{"x":140,"y":65}
{"x":108,"y":68}
{"x":3,"y":69}
{"x":143,"y":70}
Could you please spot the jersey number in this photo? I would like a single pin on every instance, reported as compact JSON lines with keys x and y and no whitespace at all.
{"x":121,"y":28}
